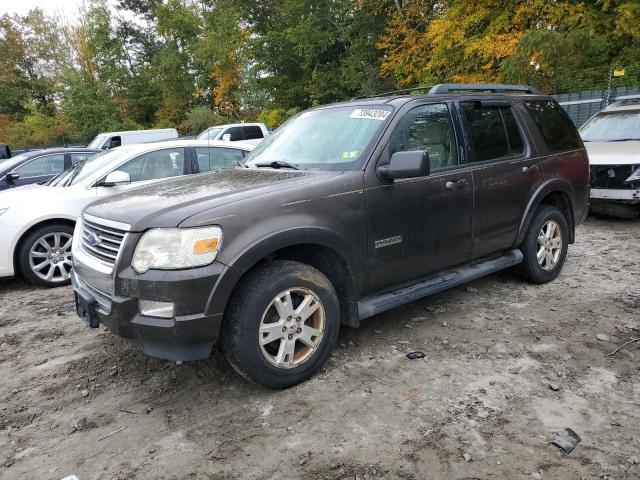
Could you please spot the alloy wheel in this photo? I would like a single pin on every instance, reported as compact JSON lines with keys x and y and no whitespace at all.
{"x":549,"y":245}
{"x":292,"y":327}
{"x":50,"y":257}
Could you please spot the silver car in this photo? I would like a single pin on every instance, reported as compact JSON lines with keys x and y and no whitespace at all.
{"x":612,"y":139}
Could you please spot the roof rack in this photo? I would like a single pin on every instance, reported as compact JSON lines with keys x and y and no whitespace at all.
{"x":482,"y":87}
{"x":443,"y":88}
{"x":395,"y":92}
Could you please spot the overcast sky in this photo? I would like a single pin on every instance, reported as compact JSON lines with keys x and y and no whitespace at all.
{"x":65,"y":7}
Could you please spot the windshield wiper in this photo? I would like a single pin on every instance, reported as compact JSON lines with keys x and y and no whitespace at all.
{"x":73,"y":172}
{"x":276,"y":164}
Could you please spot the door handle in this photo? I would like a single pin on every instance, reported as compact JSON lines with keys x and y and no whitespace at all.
{"x":530,"y":169}
{"x":456,"y":184}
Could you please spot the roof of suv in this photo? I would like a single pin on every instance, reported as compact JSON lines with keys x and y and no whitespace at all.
{"x":445,"y":91}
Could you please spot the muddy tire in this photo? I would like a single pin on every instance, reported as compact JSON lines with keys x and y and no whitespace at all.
{"x":281,"y":324}
{"x":44,"y":255}
{"x":545,"y":246}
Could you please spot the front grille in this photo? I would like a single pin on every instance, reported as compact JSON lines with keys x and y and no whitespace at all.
{"x":101,"y":241}
{"x":611,"y":176}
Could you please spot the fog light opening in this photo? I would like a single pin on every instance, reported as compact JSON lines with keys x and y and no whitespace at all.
{"x":151,"y":308}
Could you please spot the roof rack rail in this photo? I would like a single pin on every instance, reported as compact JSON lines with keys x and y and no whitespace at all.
{"x":482,"y":87}
{"x":395,"y":92}
{"x":443,"y":88}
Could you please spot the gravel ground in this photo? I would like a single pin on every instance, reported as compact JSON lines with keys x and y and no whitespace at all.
{"x":507,"y":364}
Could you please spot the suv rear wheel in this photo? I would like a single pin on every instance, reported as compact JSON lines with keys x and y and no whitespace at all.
{"x":44,"y":256}
{"x":545,"y":245}
{"x":281,"y":324}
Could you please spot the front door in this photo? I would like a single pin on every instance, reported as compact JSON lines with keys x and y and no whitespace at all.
{"x":421,"y":225}
{"x":150,"y":167}
{"x":506,"y":173}
{"x":39,"y":169}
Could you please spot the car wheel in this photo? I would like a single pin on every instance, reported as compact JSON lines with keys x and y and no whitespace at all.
{"x":281,"y":324}
{"x":545,"y":245}
{"x":44,"y":256}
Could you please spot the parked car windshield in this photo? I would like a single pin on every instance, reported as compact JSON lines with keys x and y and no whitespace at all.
{"x":612,"y":127}
{"x":209,"y":134}
{"x":324,"y":139}
{"x":97,"y":141}
{"x":10,"y":163}
{"x":82,"y":170}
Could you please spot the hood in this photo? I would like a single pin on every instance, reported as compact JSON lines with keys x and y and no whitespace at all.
{"x":28,"y":195}
{"x":169,"y":202}
{"x":614,"y":153}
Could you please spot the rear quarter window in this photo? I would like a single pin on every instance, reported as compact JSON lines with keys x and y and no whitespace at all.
{"x":555,"y":126}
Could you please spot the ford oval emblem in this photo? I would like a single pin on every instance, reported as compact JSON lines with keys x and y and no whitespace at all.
{"x":93,"y":239}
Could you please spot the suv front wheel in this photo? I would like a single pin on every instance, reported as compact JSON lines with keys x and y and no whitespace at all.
{"x":281,"y":324}
{"x":545,"y":245}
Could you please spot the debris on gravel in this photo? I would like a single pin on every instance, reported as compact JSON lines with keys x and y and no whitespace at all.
{"x":379,"y":417}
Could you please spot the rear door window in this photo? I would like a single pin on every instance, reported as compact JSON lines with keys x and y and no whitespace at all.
{"x":80,"y":157}
{"x":215,"y":158}
{"x":252,"y":132}
{"x":158,"y":164}
{"x":493,"y":130}
{"x":46,"y":165}
{"x":235,"y":132}
{"x":557,"y":129}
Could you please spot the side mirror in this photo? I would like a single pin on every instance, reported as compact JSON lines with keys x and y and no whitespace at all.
{"x":117,"y":177}
{"x":226,"y":137}
{"x":12,"y":177}
{"x":406,"y":165}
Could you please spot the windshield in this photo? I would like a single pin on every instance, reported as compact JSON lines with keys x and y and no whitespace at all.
{"x":9,"y":164}
{"x":98,"y":141}
{"x":612,"y":127}
{"x":323,"y":139}
{"x":209,"y":134}
{"x":82,"y":170}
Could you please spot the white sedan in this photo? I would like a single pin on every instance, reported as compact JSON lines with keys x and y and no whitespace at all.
{"x":37,"y":221}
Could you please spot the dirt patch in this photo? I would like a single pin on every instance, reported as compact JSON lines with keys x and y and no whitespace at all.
{"x":507,"y":363}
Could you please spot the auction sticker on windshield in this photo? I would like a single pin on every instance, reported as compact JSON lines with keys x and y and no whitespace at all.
{"x":370,"y":114}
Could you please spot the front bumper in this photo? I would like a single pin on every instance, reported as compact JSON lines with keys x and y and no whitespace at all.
{"x":616,"y":194}
{"x":8,"y":238}
{"x":189,"y":335}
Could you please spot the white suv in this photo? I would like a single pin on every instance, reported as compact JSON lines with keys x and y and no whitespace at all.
{"x":37,"y":221}
{"x":612,"y":139}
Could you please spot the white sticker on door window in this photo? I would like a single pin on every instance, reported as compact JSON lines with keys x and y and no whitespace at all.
{"x":370,"y":114}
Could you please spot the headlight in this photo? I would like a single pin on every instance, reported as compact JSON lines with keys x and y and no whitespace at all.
{"x":635,"y":177}
{"x":2,"y":210}
{"x":175,"y":248}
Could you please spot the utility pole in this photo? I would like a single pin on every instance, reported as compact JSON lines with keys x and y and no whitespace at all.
{"x":607,"y":96}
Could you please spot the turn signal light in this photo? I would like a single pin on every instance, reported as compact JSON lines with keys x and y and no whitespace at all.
{"x":207,"y":245}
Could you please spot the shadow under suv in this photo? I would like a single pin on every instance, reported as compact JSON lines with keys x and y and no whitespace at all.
{"x":344,"y":212}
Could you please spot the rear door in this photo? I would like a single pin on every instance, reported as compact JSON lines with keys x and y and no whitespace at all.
{"x":506,"y":172}
{"x":421,"y":225}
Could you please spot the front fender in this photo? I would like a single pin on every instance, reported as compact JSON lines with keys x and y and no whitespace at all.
{"x":551,"y":185}
{"x":244,"y":259}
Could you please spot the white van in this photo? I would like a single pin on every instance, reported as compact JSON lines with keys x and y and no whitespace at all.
{"x":108,"y":140}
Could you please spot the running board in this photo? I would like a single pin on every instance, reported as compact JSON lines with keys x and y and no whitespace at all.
{"x":370,"y":306}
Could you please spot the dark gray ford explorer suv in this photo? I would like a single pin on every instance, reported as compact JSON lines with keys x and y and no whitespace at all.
{"x":344,"y":212}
